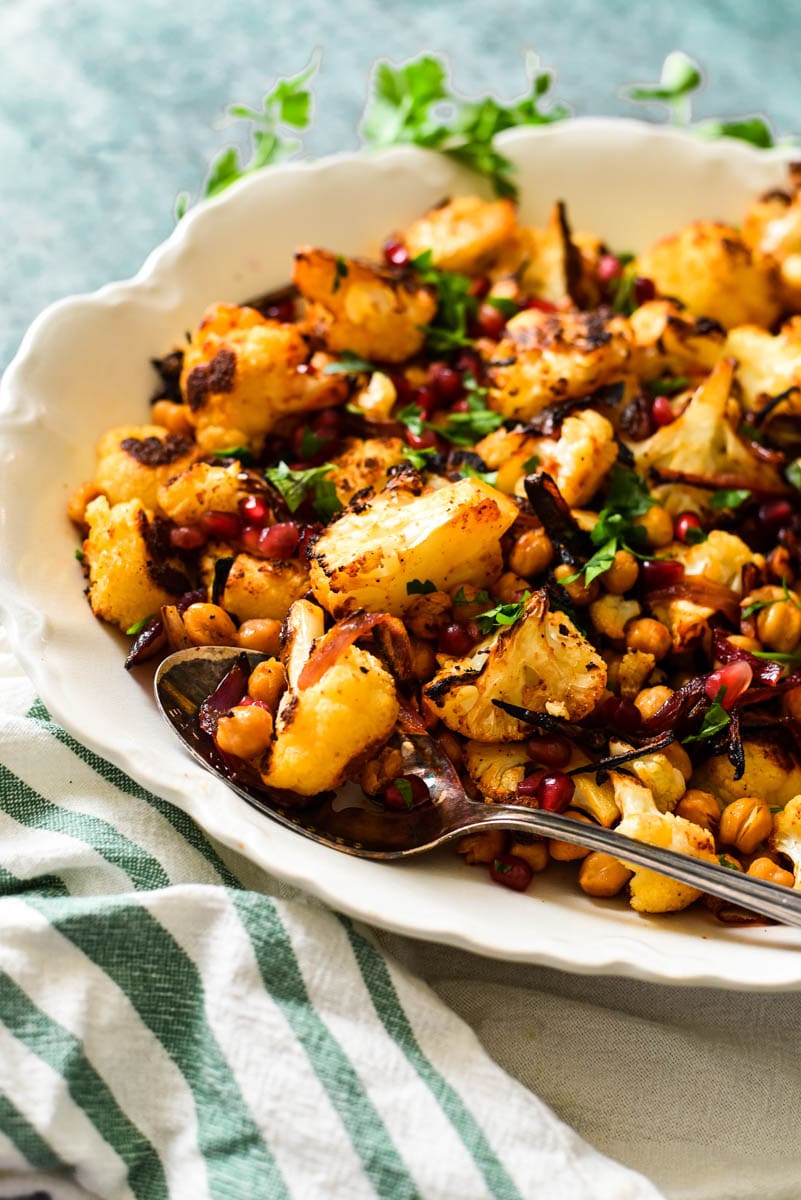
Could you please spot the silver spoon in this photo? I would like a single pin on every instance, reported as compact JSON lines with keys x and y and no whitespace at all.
{"x":187,"y":678}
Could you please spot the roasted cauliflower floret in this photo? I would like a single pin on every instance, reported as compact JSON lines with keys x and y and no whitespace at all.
{"x":550,"y":357}
{"x":655,"y":771}
{"x":702,"y":441}
{"x":668,"y":341}
{"x":350,"y":711}
{"x":133,"y":461}
{"x":710,"y":269}
{"x":767,"y":364}
{"x":772,"y":771}
{"x":451,"y":536}
{"x":200,"y":489}
{"x":772,"y":227}
{"x":496,"y":769}
{"x":541,"y":662}
{"x":364,"y":463}
{"x":356,"y":305}
{"x":263,"y":587}
{"x":556,"y":265}
{"x":125,"y":583}
{"x":786,"y":835}
{"x":642,"y":821}
{"x":465,"y":234}
{"x":241,"y":374}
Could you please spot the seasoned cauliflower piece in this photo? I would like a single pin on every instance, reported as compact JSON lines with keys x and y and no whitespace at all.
{"x":702,"y":441}
{"x":125,"y":584}
{"x":772,"y":771}
{"x":133,"y":461}
{"x":356,"y":305}
{"x":350,"y":711}
{"x":710,"y":269}
{"x":642,"y":821}
{"x":668,"y":341}
{"x":496,"y":769}
{"x":241,"y":375}
{"x":364,"y":463}
{"x":200,"y":489}
{"x":577,"y":459}
{"x":772,"y":227}
{"x":556,"y":265}
{"x":655,"y":771}
{"x":263,"y":587}
{"x":452,"y":536}
{"x":464,"y":234}
{"x":549,"y":357}
{"x":786,"y":835}
{"x":767,"y":364}
{"x":541,"y":662}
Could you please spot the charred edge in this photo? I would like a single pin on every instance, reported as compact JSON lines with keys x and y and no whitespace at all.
{"x":222,"y":569}
{"x":156,"y":451}
{"x":156,"y":536}
{"x":209,"y":378}
{"x":169,"y":370}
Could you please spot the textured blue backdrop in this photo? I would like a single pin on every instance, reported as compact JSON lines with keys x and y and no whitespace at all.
{"x":108,"y":109}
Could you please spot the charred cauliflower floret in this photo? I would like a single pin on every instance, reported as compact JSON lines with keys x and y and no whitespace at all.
{"x":451,"y":536}
{"x":668,"y":341}
{"x":710,"y":269}
{"x":324,"y":729}
{"x":133,"y":461}
{"x":767,"y":364}
{"x":655,"y":771}
{"x":200,"y":489}
{"x":356,"y":305}
{"x":363,"y":464}
{"x":772,"y":228}
{"x":772,"y":771}
{"x":642,"y":821}
{"x":786,"y":835}
{"x":465,"y":234}
{"x":545,"y":358}
{"x":496,"y":769}
{"x":241,"y":374}
{"x":541,"y":662}
{"x":556,"y":264}
{"x":126,"y":583}
{"x":262,"y":587}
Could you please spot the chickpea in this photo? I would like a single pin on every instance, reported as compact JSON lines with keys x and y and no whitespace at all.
{"x":766,"y":868}
{"x":482,"y":847}
{"x":702,"y":808}
{"x":83,"y":495}
{"x":510,"y":588}
{"x":468,"y":604}
{"x":678,"y":757}
{"x":424,"y":660}
{"x":622,"y":574}
{"x":658,"y":525}
{"x":650,"y":700}
{"x":246,"y":731}
{"x":602,"y":875}
{"x":791,"y":704}
{"x":377,"y":774}
{"x":779,"y":626}
{"x":532,"y":553}
{"x":650,"y":636}
{"x":451,"y":746}
{"x":745,"y":823}
{"x":172,"y":416}
{"x":742,"y":642}
{"x":580,"y":594}
{"x":209,"y":625}
{"x":429,"y":615}
{"x":567,"y":851}
{"x":267,"y":682}
{"x":262,"y":634}
{"x":534,"y":853}
{"x":730,"y":862}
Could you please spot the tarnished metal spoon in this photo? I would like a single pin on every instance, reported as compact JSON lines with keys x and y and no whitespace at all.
{"x":187,"y":678}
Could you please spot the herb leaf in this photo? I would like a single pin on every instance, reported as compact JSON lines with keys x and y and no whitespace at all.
{"x":679,"y":76}
{"x":481,"y":597}
{"x":405,"y":789}
{"x":455,"y":305}
{"x":138,"y":626}
{"x":668,"y":385}
{"x":729,"y":498}
{"x":419,"y":458}
{"x":348,"y":364}
{"x":715,"y":720}
{"x":466,"y":428}
{"x":627,"y":498}
{"x":793,"y":474}
{"x":297,"y":486}
{"x":420,"y":587}
{"x":502,"y":615}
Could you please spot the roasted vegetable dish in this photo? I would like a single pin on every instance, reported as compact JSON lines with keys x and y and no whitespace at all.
{"x":533,"y":495}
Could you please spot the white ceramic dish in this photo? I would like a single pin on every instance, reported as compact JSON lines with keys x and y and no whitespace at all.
{"x":83,"y":367}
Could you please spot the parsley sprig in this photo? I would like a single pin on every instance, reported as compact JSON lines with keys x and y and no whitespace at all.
{"x":459,"y":428}
{"x":455,"y":306}
{"x":758,"y":605}
{"x":716,"y":719}
{"x":502,"y":615}
{"x":312,"y":484}
{"x":627,"y":498}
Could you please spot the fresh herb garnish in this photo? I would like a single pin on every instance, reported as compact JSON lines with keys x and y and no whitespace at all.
{"x":694,"y":536}
{"x":482,"y":597}
{"x":79,"y":554}
{"x":418,"y":458}
{"x":241,"y":452}
{"x":455,"y":305}
{"x":412,"y":417}
{"x":502,"y":615}
{"x":716,"y":719}
{"x":138,"y":626}
{"x":297,"y":486}
{"x":508,"y":308}
{"x":725,"y":861}
{"x":348,"y":364}
{"x":311,"y":443}
{"x":668,"y":386}
{"x":501,"y":868}
{"x":747,"y":430}
{"x":793,"y":475}
{"x":468,"y":472}
{"x":680,"y":75}
{"x":340,"y":272}
{"x":729,"y":498}
{"x":531,"y":464}
{"x":627,"y":498}
{"x":790,"y":658}
{"x":622,"y":291}
{"x":759,"y":605}
{"x":420,"y":587}
{"x":466,"y":428}
{"x":405,"y":789}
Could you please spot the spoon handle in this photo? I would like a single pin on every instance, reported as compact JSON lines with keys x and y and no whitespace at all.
{"x":782,"y":904}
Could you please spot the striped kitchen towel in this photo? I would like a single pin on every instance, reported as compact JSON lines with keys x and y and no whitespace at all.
{"x":172,"y":1025}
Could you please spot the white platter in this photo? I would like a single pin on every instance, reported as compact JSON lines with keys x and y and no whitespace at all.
{"x":83,"y":367}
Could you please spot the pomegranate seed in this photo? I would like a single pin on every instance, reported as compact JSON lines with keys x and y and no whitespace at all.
{"x":468,"y":360}
{"x":406,"y":798}
{"x":621,"y":714}
{"x":541,"y":305}
{"x":550,"y":751}
{"x":282,"y":310}
{"x":404,"y":391}
{"x":222,"y":526}
{"x":735,"y":677}
{"x":479,"y":288}
{"x":609,"y":268}
{"x":255,"y":510}
{"x":644,"y":290}
{"x":421,"y":441}
{"x":491,"y":321}
{"x":187,"y":537}
{"x":428,"y":401}
{"x":528,"y":788}
{"x":511,"y":871}
{"x":249,"y":702}
{"x":279,"y":541}
{"x":684,"y":522}
{"x":556,"y":792}
{"x":444,"y":381}
{"x":460,"y":406}
{"x":395,"y":253}
{"x":456,"y":639}
{"x":775,"y":514}
{"x":662,"y":411}
{"x":661,"y":572}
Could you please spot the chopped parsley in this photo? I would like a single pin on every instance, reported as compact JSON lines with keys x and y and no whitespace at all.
{"x":404,"y":788}
{"x":240,"y":452}
{"x":725,"y":861}
{"x":531,"y":464}
{"x":482,"y":597}
{"x":668,"y":386}
{"x":694,"y":536}
{"x":420,"y":587}
{"x":455,"y":306}
{"x":508,"y":308}
{"x":348,"y":364}
{"x":418,"y":458}
{"x":459,"y":428}
{"x":729,"y":498}
{"x":793,"y":474}
{"x":716,"y":719}
{"x":340,"y":272}
{"x":468,"y":472}
{"x":501,"y":868}
{"x":502,"y":615}
{"x":759,"y":605}
{"x":79,"y":554}
{"x":627,"y":498}
{"x":312,"y":484}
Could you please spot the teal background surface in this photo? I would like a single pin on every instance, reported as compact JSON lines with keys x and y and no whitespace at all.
{"x":109,"y":109}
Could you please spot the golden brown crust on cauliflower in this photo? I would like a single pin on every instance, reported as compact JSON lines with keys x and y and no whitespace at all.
{"x":133,"y":461}
{"x":669,"y":341}
{"x":465,"y":234}
{"x":364,"y":464}
{"x":263,"y":587}
{"x":772,"y":771}
{"x":202,"y":488}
